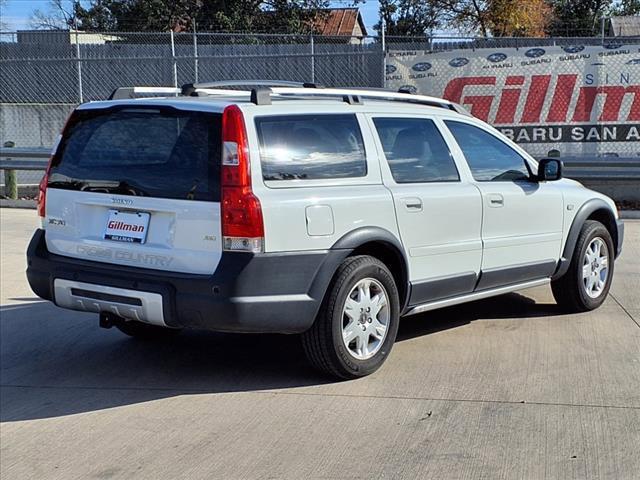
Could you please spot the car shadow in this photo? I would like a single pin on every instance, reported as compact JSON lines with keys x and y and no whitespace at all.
{"x":510,"y":306}
{"x":56,"y":362}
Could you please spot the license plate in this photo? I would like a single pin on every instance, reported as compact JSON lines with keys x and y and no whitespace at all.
{"x":128,"y":227}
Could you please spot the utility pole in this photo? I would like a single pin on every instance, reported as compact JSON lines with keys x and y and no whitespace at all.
{"x":383,"y":27}
{"x":79,"y":60}
{"x":173,"y":58}
{"x":195,"y":52}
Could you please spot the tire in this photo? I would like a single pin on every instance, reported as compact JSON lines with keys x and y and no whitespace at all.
{"x":323,"y":343}
{"x":145,"y":331}
{"x":571,"y":290}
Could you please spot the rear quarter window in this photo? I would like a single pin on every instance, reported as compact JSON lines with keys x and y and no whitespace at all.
{"x":310,"y":147}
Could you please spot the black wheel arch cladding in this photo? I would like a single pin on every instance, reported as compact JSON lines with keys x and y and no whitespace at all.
{"x":384,"y":245}
{"x":594,"y":209}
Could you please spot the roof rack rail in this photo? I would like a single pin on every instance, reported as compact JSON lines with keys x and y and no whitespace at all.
{"x":456,"y":107}
{"x":123,"y":93}
{"x":363,"y":94}
{"x":265,"y":90}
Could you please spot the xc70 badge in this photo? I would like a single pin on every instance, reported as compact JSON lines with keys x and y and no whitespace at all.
{"x":121,"y":201}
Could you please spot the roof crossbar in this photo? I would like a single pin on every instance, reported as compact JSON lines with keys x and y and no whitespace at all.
{"x":189,"y":88}
{"x":261,"y":96}
{"x":352,"y":99}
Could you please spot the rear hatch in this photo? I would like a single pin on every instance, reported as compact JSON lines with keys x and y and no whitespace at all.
{"x":138,"y":185}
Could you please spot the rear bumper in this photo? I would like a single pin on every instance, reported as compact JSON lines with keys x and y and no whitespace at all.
{"x":271,"y":292}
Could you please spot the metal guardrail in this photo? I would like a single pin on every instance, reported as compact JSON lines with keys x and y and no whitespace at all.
{"x":601,"y":168}
{"x":595,"y":171}
{"x":29,"y":165}
{"x":24,"y":158}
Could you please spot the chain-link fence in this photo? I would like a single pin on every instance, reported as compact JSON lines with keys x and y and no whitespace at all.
{"x":69,"y":67}
{"x":567,"y":97}
{"x":45,"y":74}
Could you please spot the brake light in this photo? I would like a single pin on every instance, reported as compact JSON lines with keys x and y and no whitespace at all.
{"x":242,"y":224}
{"x":42,"y":191}
{"x":44,"y":183}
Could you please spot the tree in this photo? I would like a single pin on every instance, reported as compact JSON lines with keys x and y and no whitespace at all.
{"x":60,"y":16}
{"x":496,"y":17}
{"x":506,"y":18}
{"x":138,"y":15}
{"x":626,"y":7}
{"x":272,"y":16}
{"x":470,"y":15}
{"x":578,"y":18}
{"x":407,"y":17}
{"x":290,"y":16}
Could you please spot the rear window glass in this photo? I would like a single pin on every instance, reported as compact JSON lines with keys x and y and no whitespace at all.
{"x":311,"y":147}
{"x":155,"y":152}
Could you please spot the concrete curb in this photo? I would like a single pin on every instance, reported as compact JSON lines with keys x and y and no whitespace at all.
{"x":630,"y":214}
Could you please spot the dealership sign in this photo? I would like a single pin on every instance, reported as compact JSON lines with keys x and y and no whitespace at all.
{"x":575,"y":99}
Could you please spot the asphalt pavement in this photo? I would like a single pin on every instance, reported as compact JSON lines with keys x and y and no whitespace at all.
{"x":505,"y":388}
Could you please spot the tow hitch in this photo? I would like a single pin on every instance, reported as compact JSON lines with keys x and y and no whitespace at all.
{"x":108,"y":320}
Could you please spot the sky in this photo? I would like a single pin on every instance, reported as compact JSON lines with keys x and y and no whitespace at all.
{"x":16,"y":14}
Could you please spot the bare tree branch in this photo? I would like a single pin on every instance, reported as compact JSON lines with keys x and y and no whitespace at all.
{"x":60,"y":16}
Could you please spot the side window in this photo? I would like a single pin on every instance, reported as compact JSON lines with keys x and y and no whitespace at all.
{"x":311,"y":147}
{"x":415,"y":150}
{"x":489,"y":159}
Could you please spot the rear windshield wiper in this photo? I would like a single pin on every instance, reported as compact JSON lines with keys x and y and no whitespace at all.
{"x":66,"y":184}
{"x":99,"y":186}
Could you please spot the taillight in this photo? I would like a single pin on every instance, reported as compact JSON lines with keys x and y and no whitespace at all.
{"x":242,"y":224}
{"x":42,"y":191}
{"x":42,"y":187}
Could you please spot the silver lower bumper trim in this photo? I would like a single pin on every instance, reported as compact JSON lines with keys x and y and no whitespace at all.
{"x":129,"y":304}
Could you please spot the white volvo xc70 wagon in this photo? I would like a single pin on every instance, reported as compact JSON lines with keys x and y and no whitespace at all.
{"x":293,"y":209}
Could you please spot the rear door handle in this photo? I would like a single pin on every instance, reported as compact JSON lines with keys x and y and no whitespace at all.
{"x":413,"y":204}
{"x":496,"y":200}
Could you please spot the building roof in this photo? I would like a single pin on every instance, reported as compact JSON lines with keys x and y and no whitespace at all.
{"x":628,"y":26}
{"x":339,"y":21}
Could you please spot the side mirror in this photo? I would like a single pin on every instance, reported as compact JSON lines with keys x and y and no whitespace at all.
{"x":549,"y":169}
